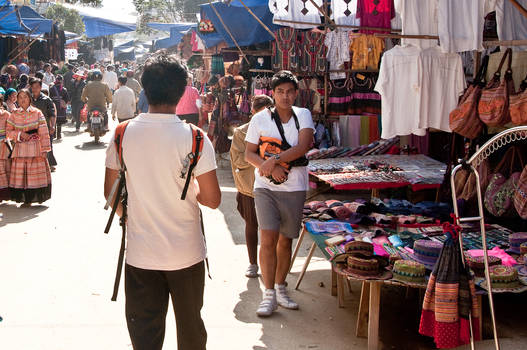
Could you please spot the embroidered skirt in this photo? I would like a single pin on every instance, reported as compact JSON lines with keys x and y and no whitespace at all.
{"x":30,"y":180}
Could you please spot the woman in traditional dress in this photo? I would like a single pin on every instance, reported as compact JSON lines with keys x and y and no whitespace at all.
{"x":10,"y":99}
{"x":4,"y":157}
{"x":30,"y":176}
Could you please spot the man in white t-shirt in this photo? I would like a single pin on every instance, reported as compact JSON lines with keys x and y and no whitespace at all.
{"x":110,"y":77}
{"x":165,"y":248}
{"x":279,"y":194}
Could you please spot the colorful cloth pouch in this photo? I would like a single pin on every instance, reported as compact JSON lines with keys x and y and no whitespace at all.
{"x":506,"y":259}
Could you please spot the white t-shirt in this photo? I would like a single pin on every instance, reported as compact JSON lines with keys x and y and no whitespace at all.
{"x":460,"y":25}
{"x":164,"y":232}
{"x":418,"y":17}
{"x":511,"y":24}
{"x":399,"y":84}
{"x":262,"y":125}
{"x":443,"y":82}
{"x":110,"y":78}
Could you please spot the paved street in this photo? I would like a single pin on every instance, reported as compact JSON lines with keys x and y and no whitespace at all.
{"x":57,"y":269}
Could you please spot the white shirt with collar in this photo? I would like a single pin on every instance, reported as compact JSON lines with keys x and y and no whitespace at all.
{"x":110,"y":78}
{"x":164,"y":232}
{"x":123,"y":103}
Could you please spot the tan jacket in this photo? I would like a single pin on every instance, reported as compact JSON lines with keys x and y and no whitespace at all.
{"x":97,"y":94}
{"x":242,"y":171}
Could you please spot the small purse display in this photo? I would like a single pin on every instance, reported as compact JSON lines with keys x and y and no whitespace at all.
{"x":520,"y":197}
{"x":464,"y":120}
{"x":518,"y":105}
{"x":493,"y":106}
{"x":501,"y":190}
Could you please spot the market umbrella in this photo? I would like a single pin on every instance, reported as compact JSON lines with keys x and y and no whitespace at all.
{"x":450,"y":302}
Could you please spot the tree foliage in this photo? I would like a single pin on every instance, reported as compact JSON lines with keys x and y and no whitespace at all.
{"x":94,"y":3}
{"x":167,"y":11}
{"x":68,"y":19}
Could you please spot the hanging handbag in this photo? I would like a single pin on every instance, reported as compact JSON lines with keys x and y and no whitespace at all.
{"x":464,"y":120}
{"x":518,"y":105}
{"x":493,"y":106}
{"x":504,"y":184}
{"x":520,"y":197}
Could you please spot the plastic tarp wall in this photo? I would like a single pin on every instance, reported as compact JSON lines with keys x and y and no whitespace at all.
{"x":100,"y":26}
{"x":35,"y":21}
{"x":176,"y":35}
{"x":245,"y":29}
{"x":167,"y":27}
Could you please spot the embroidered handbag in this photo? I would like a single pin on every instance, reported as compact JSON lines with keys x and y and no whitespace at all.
{"x":464,"y":120}
{"x":500,"y":192}
{"x":518,"y":105}
{"x":493,"y":106}
{"x":520,"y":197}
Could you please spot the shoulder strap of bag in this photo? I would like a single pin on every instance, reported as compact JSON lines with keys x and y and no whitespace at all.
{"x":480,"y":77}
{"x":118,"y":141}
{"x":276,"y":118}
{"x":508,"y":53}
{"x":197,"y":148}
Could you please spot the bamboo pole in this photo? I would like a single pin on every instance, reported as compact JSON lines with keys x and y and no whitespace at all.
{"x":323,"y":13}
{"x":340,"y":26}
{"x":259,"y":20}
{"x":228,"y":31}
{"x":7,"y":14}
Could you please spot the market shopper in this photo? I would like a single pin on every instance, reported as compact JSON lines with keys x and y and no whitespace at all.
{"x":188,"y":106}
{"x":61,"y":97}
{"x":132,"y":83}
{"x":123,"y":104}
{"x":142,"y":104}
{"x":30,"y":176}
{"x":110,"y":77}
{"x":76,"y":98}
{"x":10,"y":99}
{"x":47,"y":107}
{"x":243,"y":173}
{"x":5,"y":162}
{"x":48,"y":78}
{"x":279,"y":203}
{"x":166,"y":249}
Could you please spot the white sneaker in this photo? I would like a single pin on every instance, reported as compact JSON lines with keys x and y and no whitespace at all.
{"x":252,"y":271}
{"x":268,"y":304}
{"x":283,"y":298}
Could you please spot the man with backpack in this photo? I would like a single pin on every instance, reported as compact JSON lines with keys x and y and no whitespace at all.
{"x":277,"y":141}
{"x":166,"y":250}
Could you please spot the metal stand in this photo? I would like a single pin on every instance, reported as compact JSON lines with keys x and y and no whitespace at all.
{"x":498,"y":141}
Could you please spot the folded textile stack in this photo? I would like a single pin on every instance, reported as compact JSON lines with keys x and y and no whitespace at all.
{"x":378,"y":147}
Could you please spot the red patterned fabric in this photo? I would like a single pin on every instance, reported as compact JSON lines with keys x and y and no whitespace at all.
{"x":449,"y":299}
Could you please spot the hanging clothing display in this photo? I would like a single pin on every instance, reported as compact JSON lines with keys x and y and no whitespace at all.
{"x":511,"y":24}
{"x":344,"y":12}
{"x":339,"y":97}
{"x":364,"y":99}
{"x":367,"y":51}
{"x":308,"y":95}
{"x":400,"y":87}
{"x":217,"y":65}
{"x":296,"y":10}
{"x":519,"y":66}
{"x":460,"y":25}
{"x":375,"y":13}
{"x":284,"y":50}
{"x":419,"y":88}
{"x":418,"y":18}
{"x":312,"y":52}
{"x":337,"y":43}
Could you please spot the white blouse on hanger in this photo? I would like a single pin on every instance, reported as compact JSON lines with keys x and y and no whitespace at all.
{"x":512,"y":25}
{"x":418,"y":17}
{"x":460,"y":25}
{"x":338,"y":43}
{"x":296,"y":10}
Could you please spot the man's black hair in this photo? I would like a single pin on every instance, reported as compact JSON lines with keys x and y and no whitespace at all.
{"x":164,"y":79}
{"x":39,"y":75}
{"x":35,"y":81}
{"x":122,"y":80}
{"x":283,"y":77}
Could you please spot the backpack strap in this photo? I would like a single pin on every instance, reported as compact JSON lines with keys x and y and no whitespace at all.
{"x":118,"y":141}
{"x":276,"y":118}
{"x":193,"y":156}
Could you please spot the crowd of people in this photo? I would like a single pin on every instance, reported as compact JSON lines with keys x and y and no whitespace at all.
{"x":165,"y":251}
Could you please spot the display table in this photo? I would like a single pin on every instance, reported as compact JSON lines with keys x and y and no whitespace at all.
{"x":379,"y":172}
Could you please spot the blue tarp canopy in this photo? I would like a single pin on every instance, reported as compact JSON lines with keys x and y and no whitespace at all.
{"x":10,"y":23}
{"x":168,"y":26}
{"x":125,"y":51}
{"x":244,"y":27}
{"x":33,"y":20}
{"x":96,"y":26}
{"x":176,"y":34}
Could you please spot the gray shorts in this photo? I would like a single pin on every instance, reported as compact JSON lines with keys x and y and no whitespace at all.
{"x":280,"y":211}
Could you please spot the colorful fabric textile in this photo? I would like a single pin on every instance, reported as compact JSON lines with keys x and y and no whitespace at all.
{"x":367,"y":51}
{"x":30,"y":175}
{"x":375,"y":13}
{"x":450,"y":298}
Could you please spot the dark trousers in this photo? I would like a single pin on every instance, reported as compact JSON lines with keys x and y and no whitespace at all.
{"x":147,"y":293}
{"x":76,"y":107}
